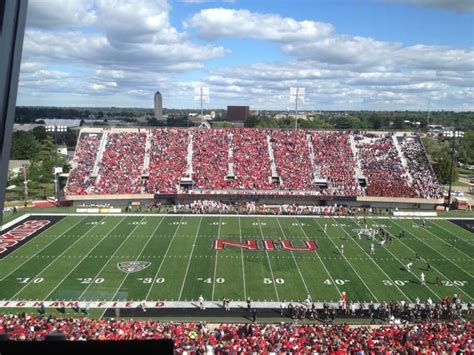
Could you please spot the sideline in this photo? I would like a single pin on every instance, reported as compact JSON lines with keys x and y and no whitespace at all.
{"x":240,"y":215}
{"x":17,"y":220}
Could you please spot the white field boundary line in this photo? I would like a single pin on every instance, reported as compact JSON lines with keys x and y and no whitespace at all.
{"x":268,"y":260}
{"x":83,"y":258}
{"x":40,"y":250}
{"x":352,"y":267}
{"x":445,"y":242}
{"x":454,"y":235}
{"x":189,"y":261}
{"x":54,"y":260}
{"x":242,"y":260}
{"x":13,"y":222}
{"x":163,"y":259}
{"x":411,"y":272}
{"x":136,"y":259}
{"x":244,"y":215}
{"x":111,"y":257}
{"x":294,"y":260}
{"x":173,"y":304}
{"x":215,"y":263}
{"x":319,"y":257}
{"x":439,"y":272}
{"x":376,"y":264}
{"x":437,"y":252}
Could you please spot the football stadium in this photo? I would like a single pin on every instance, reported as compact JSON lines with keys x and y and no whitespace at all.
{"x":212,"y":238}
{"x":205,"y":225}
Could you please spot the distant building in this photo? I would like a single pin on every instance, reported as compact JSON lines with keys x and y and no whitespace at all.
{"x":237,"y":113}
{"x":158,"y":100}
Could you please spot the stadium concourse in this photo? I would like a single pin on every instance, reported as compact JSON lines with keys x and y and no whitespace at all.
{"x":326,"y":163}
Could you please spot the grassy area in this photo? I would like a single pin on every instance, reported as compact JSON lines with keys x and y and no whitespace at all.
{"x":35,"y":190}
{"x":78,"y":259}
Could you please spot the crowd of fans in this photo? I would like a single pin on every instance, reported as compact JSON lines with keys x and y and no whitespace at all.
{"x":247,"y":159}
{"x":334,"y":156}
{"x":199,"y":337}
{"x":251,"y":160}
{"x":382,"y":166}
{"x":204,"y":206}
{"x":121,"y":166}
{"x":420,"y":169}
{"x":86,"y":153}
{"x":292,"y":159}
{"x":210,"y":158}
{"x":168,"y":159}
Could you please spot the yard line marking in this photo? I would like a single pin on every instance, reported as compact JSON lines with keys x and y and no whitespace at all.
{"x":190,"y":257}
{"x":164,"y":258}
{"x":294,"y":260}
{"x":39,"y":251}
{"x":360,"y":278}
{"x":447,"y":278}
{"x":268,"y":260}
{"x":411,"y":272}
{"x":437,"y":252}
{"x":150,"y":237}
{"x":53,"y":261}
{"x":445,"y":242}
{"x":242,"y":260}
{"x":82,"y":259}
{"x":373,"y":261}
{"x":215,"y":264}
{"x":319,"y":256}
{"x":454,"y":235}
{"x":111,"y":257}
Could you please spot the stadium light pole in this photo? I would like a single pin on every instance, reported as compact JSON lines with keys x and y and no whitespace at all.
{"x":297,"y":94}
{"x":201,"y":94}
{"x":55,"y":130}
{"x":453,"y":134}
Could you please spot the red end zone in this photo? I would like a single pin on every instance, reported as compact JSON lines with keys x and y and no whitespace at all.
{"x":20,"y":233}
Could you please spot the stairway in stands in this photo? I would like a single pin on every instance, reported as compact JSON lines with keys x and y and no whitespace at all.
{"x":272,"y":159}
{"x":358,"y":167}
{"x":230,"y":169}
{"x":403,"y":159}
{"x":146,"y":159}
{"x":315,"y":167}
{"x":190,"y":154}
{"x":95,"y":171}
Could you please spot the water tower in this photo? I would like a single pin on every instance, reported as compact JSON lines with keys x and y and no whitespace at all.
{"x":158,"y":106}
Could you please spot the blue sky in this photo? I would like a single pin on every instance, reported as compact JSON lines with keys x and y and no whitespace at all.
{"x":360,"y":54}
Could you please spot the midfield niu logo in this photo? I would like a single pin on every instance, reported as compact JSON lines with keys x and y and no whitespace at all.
{"x":308,"y":245}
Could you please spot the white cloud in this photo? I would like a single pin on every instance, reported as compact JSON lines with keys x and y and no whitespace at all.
{"x":130,"y":44}
{"x":264,"y":85}
{"x":54,"y":13}
{"x":215,"y":23}
{"x":309,"y":40}
{"x":111,"y":52}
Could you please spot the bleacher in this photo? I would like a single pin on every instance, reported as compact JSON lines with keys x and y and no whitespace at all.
{"x":247,"y":160}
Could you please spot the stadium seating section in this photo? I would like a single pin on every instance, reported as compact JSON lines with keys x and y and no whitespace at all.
{"x":248,"y":160}
{"x":198,"y":338}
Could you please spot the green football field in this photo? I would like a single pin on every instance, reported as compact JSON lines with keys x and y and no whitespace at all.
{"x":79,"y":258}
